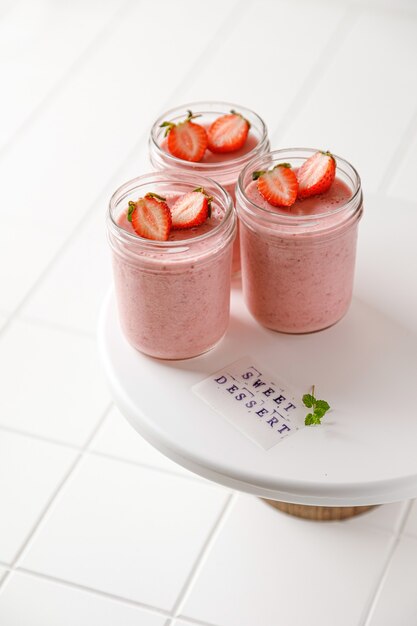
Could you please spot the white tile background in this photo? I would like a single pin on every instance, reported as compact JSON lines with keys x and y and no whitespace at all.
{"x":96,"y":527}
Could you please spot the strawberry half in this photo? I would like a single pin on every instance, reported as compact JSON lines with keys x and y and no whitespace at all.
{"x":228,"y":133}
{"x":316,"y":175}
{"x":191,"y":209}
{"x":186,"y":140}
{"x":278,"y":186}
{"x":150,"y":217}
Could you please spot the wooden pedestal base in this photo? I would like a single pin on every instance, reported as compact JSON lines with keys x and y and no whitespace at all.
{"x":319,"y":513}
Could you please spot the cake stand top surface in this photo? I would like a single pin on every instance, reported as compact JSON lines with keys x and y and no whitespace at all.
{"x":365,"y":450}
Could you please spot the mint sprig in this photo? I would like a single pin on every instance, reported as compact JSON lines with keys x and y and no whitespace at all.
{"x":319,"y":408}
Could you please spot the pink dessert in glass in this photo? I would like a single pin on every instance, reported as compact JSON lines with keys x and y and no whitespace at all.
{"x":298,"y":261}
{"x":224,"y":168}
{"x":173,"y":296}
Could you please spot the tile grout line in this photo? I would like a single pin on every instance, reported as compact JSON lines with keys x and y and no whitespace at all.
{"x":178,"y":474}
{"x":97,"y":592}
{"x":205,"y":550}
{"x":102,"y":594}
{"x":41,"y":517}
{"x":374,"y":595}
{"x":107,"y":455}
{"x":37,"y":437}
{"x":338,"y":34}
{"x":106,"y":190}
{"x":99,"y":38}
{"x":190,"y":621}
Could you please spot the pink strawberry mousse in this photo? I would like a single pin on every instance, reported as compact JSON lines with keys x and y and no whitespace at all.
{"x":174,"y":300}
{"x":300,"y":281}
{"x":213,"y":157}
{"x":224,"y":168}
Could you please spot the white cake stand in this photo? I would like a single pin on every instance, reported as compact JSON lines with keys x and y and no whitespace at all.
{"x":364,"y":453}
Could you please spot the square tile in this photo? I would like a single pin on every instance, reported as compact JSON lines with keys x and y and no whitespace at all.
{"x":232,"y":66}
{"x":72,"y":292}
{"x":30,"y":601}
{"x":396,"y":602}
{"x":118,"y":438}
{"x":126,"y":530}
{"x":349,"y":103}
{"x":270,"y":568}
{"x":385,"y":517}
{"x":401,"y":185}
{"x":29,"y":31}
{"x":52,"y":382}
{"x":25,"y":252}
{"x":30,"y":471}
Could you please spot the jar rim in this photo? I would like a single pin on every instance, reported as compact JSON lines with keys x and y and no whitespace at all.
{"x":168,"y":176}
{"x":282,"y":154}
{"x":224,"y":107}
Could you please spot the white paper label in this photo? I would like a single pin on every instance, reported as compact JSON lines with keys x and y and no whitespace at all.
{"x":253,"y":400}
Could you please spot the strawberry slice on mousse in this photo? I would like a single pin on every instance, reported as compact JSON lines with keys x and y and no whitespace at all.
{"x":279,"y":186}
{"x":186,"y":140}
{"x":228,"y":133}
{"x":316,"y":175}
{"x":191,"y":209}
{"x":150,"y":217}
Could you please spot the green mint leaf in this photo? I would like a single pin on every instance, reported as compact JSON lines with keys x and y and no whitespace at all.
{"x":309,"y":400}
{"x":319,"y":407}
{"x":322,"y":404}
{"x":311,"y":419}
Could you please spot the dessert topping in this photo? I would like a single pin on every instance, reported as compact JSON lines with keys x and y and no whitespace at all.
{"x":150,"y":217}
{"x":228,"y":133}
{"x":319,"y":407}
{"x":191,"y":209}
{"x":186,"y":140}
{"x":279,"y":186}
{"x":316,"y":175}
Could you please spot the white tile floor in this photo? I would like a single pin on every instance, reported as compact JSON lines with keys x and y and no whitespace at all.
{"x":96,"y":527}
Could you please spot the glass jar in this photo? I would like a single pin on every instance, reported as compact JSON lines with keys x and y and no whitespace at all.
{"x":223,"y":168}
{"x":298,"y":263}
{"x":173,"y":296}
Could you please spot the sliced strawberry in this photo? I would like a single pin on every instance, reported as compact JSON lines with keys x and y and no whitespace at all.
{"x":316,"y":175}
{"x":150,"y":217}
{"x":191,"y":209}
{"x":186,"y":140}
{"x":278,"y":186}
{"x":228,"y":133}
